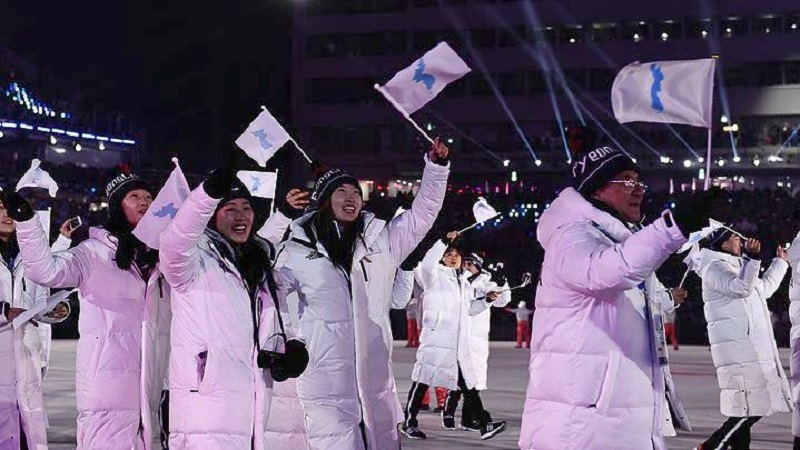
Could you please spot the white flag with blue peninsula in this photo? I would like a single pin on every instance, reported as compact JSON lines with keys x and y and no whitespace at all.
{"x":413,"y":87}
{"x":163,"y":209}
{"x":263,"y":137}
{"x":260,"y":184}
{"x":665,"y":92}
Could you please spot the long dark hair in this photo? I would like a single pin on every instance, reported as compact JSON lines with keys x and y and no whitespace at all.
{"x":9,"y":249}
{"x":129,"y":248}
{"x":340,"y":243}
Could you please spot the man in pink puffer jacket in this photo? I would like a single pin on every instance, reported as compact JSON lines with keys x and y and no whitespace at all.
{"x":596,"y":378}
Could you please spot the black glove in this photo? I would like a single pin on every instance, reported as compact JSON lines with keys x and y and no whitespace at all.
{"x":296,"y":358}
{"x":499,"y":277}
{"x":691,"y":212}
{"x":219,"y":181}
{"x":17,"y":208}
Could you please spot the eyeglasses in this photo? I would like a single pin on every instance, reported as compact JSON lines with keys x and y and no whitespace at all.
{"x":630,"y":185}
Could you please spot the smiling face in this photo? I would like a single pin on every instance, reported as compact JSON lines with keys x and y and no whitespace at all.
{"x":626,"y":200}
{"x":346,"y":203}
{"x":452,"y":258}
{"x":135,"y":204}
{"x":235,"y":220}
{"x":7,"y":226}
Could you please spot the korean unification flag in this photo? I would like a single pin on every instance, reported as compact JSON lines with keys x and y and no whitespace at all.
{"x":416,"y":85}
{"x":263,"y":138}
{"x":38,"y":178}
{"x":260,"y":184}
{"x":665,"y":92}
{"x":483,"y":211}
{"x":163,"y":209}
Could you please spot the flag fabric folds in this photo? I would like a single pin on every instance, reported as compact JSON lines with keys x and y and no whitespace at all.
{"x":413,"y":87}
{"x":37,"y":177}
{"x":483,"y":211}
{"x":163,"y":209}
{"x":263,"y":137}
{"x":665,"y":92}
{"x":260,"y":184}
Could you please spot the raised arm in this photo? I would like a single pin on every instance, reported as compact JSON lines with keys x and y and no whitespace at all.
{"x":64,"y":269}
{"x":408,"y":229}
{"x":725,"y":279}
{"x":587,"y":262}
{"x":180,"y":260}
{"x":773,"y":277}
{"x":428,"y":269}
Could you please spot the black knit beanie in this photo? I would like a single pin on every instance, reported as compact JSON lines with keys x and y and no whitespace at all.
{"x":119,"y":187}
{"x":592,"y":170}
{"x":327,"y":183}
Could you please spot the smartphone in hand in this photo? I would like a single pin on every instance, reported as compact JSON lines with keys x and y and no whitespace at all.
{"x":75,"y":223}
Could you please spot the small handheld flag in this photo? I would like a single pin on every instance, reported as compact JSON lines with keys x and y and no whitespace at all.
{"x":163,"y":209}
{"x":416,"y":85}
{"x":37,"y":177}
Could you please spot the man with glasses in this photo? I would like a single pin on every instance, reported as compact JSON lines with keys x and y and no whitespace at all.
{"x":596,"y":376}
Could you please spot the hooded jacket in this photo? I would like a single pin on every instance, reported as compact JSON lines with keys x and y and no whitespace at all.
{"x":749,"y":371}
{"x":219,"y":397}
{"x":344,"y":319}
{"x":122,"y":350}
{"x":596,"y":381}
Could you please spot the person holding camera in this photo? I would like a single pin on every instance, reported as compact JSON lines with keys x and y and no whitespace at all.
{"x":118,"y":380}
{"x":342,"y":263}
{"x":749,"y":370}
{"x":229,"y":339}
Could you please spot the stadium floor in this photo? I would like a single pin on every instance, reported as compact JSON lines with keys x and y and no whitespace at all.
{"x":691,"y":368}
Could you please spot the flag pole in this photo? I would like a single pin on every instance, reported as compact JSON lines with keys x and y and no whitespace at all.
{"x":302,"y":152}
{"x":478,"y":223}
{"x":274,"y":200}
{"x":402,"y":110}
{"x":707,"y":181}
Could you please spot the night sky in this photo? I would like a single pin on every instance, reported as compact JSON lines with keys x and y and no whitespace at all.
{"x":193,"y":74}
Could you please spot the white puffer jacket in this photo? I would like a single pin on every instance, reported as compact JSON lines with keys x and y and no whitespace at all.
{"x":121,"y":359}
{"x":21,"y":363}
{"x":45,"y":330}
{"x":480,"y":324}
{"x":444,"y":341}
{"x":794,"y":335}
{"x":749,"y":371}
{"x":344,"y":319}
{"x":596,"y":381}
{"x":219,"y":397}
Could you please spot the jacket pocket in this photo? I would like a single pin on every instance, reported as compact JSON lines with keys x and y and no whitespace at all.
{"x":609,"y":382}
{"x":201,"y":360}
{"x":430,"y":319}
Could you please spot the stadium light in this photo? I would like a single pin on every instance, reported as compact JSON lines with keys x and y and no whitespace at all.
{"x":664,"y":160}
{"x":723,"y":119}
{"x":78,"y":147}
{"x":102,"y":146}
{"x":737,"y":159}
{"x":687,"y":163}
{"x":1,"y":134}
{"x":538,"y":162}
{"x":506,"y":163}
{"x":756,"y":162}
{"x":53,"y":140}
